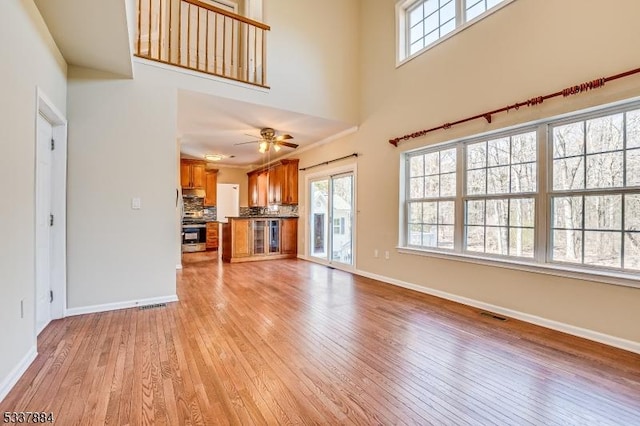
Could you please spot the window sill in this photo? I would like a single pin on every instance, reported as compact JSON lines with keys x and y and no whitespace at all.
{"x":623,"y":279}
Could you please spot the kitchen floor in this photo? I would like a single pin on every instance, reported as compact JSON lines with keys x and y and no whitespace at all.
{"x":293,"y":342}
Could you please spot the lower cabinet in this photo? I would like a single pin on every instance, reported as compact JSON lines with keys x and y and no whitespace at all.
{"x":255,"y":239}
{"x":235,"y":239}
{"x":289,"y":234}
{"x":212,"y":236}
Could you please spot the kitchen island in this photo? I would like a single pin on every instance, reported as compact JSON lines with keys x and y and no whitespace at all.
{"x":255,"y":238}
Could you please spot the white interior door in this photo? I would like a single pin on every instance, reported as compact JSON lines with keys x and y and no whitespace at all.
{"x":43,"y":223}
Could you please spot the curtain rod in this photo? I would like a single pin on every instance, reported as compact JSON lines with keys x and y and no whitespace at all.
{"x":572,"y":90}
{"x":355,"y":154}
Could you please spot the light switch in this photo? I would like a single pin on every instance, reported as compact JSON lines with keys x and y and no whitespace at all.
{"x":136,"y":203}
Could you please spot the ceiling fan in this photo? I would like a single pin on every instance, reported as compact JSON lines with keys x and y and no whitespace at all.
{"x":268,"y":139}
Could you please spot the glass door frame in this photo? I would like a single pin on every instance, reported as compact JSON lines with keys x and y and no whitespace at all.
{"x":330,"y":174}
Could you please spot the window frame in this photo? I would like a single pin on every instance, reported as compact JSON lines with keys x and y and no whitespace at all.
{"x":535,"y":195}
{"x":403,"y":7}
{"x":542,"y":261}
{"x":551,"y":193}
{"x":426,"y":199}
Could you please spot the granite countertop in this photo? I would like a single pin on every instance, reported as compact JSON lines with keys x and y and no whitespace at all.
{"x":265,"y":216}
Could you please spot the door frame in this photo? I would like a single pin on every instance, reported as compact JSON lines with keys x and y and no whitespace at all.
{"x":47,"y":109}
{"x":328,"y":173}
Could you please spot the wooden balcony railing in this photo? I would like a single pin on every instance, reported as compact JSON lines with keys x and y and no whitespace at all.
{"x":200,"y":37}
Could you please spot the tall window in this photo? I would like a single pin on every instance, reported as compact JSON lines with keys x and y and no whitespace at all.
{"x":594,"y":197}
{"x":423,"y":22}
{"x":432,"y":192}
{"x":564,"y":194}
{"x":500,"y":204}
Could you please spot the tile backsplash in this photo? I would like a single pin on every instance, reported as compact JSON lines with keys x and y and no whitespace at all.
{"x":196,"y":204}
{"x":210,"y":213}
{"x":193,"y":204}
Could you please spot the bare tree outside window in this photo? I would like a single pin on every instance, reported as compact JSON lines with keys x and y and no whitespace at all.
{"x":432,"y":191}
{"x":560,"y":192}
{"x":595,"y":213}
{"x":499,"y":171}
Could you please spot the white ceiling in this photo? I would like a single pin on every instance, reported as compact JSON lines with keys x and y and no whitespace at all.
{"x":206,"y":124}
{"x":90,"y":33}
{"x":214,"y":125}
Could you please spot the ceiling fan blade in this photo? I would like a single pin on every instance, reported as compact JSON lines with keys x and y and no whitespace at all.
{"x":288,"y":144}
{"x":252,"y":136}
{"x":244,"y":143}
{"x":284,"y":137}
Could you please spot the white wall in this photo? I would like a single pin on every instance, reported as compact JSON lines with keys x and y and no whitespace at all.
{"x":312,"y":66}
{"x":526,"y":49}
{"x":313,"y":56}
{"x":122,"y":144}
{"x":29,"y":59}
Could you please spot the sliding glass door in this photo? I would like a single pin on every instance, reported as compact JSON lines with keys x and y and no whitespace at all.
{"x":331,"y":222}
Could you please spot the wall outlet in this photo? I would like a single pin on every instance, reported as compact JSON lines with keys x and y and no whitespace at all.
{"x":376,"y":254}
{"x":386,"y":254}
{"x":136,"y":203}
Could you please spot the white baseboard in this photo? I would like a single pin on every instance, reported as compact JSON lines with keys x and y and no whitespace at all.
{"x":179,"y":266}
{"x":119,"y":305}
{"x":617,"y":342}
{"x":7,"y":384}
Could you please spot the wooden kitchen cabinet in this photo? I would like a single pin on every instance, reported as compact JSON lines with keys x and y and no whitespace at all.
{"x":258,"y":189}
{"x":211,"y":188}
{"x":192,"y":174}
{"x":236,"y":239}
{"x":212,"y":236}
{"x":289,"y":239}
{"x":276,"y":185}
{"x":253,"y":189}
{"x":260,"y":238}
{"x":276,"y":177}
{"x":289,"y":188}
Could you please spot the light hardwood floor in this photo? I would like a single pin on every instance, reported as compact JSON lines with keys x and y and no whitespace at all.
{"x":291,"y":342}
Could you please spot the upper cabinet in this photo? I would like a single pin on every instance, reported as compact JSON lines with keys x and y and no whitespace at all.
{"x":258,"y":188}
{"x":192,"y":174}
{"x":289,"y":194}
{"x":276,"y":185}
{"x":211,"y":188}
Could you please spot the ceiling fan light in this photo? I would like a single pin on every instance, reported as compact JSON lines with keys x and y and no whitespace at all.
{"x":276,"y":147}
{"x":214,"y":157}
{"x":264,"y":145}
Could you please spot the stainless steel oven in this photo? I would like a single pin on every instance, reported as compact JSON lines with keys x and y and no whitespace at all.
{"x":194,"y":237}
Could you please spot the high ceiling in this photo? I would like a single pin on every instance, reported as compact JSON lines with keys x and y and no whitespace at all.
{"x":90,"y":33}
{"x":214,"y":125}
{"x":206,"y":124}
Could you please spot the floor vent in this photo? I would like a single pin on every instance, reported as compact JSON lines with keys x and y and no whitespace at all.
{"x":492,"y":315}
{"x":157,"y":305}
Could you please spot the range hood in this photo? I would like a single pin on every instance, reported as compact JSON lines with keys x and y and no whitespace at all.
{"x":193,"y":193}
